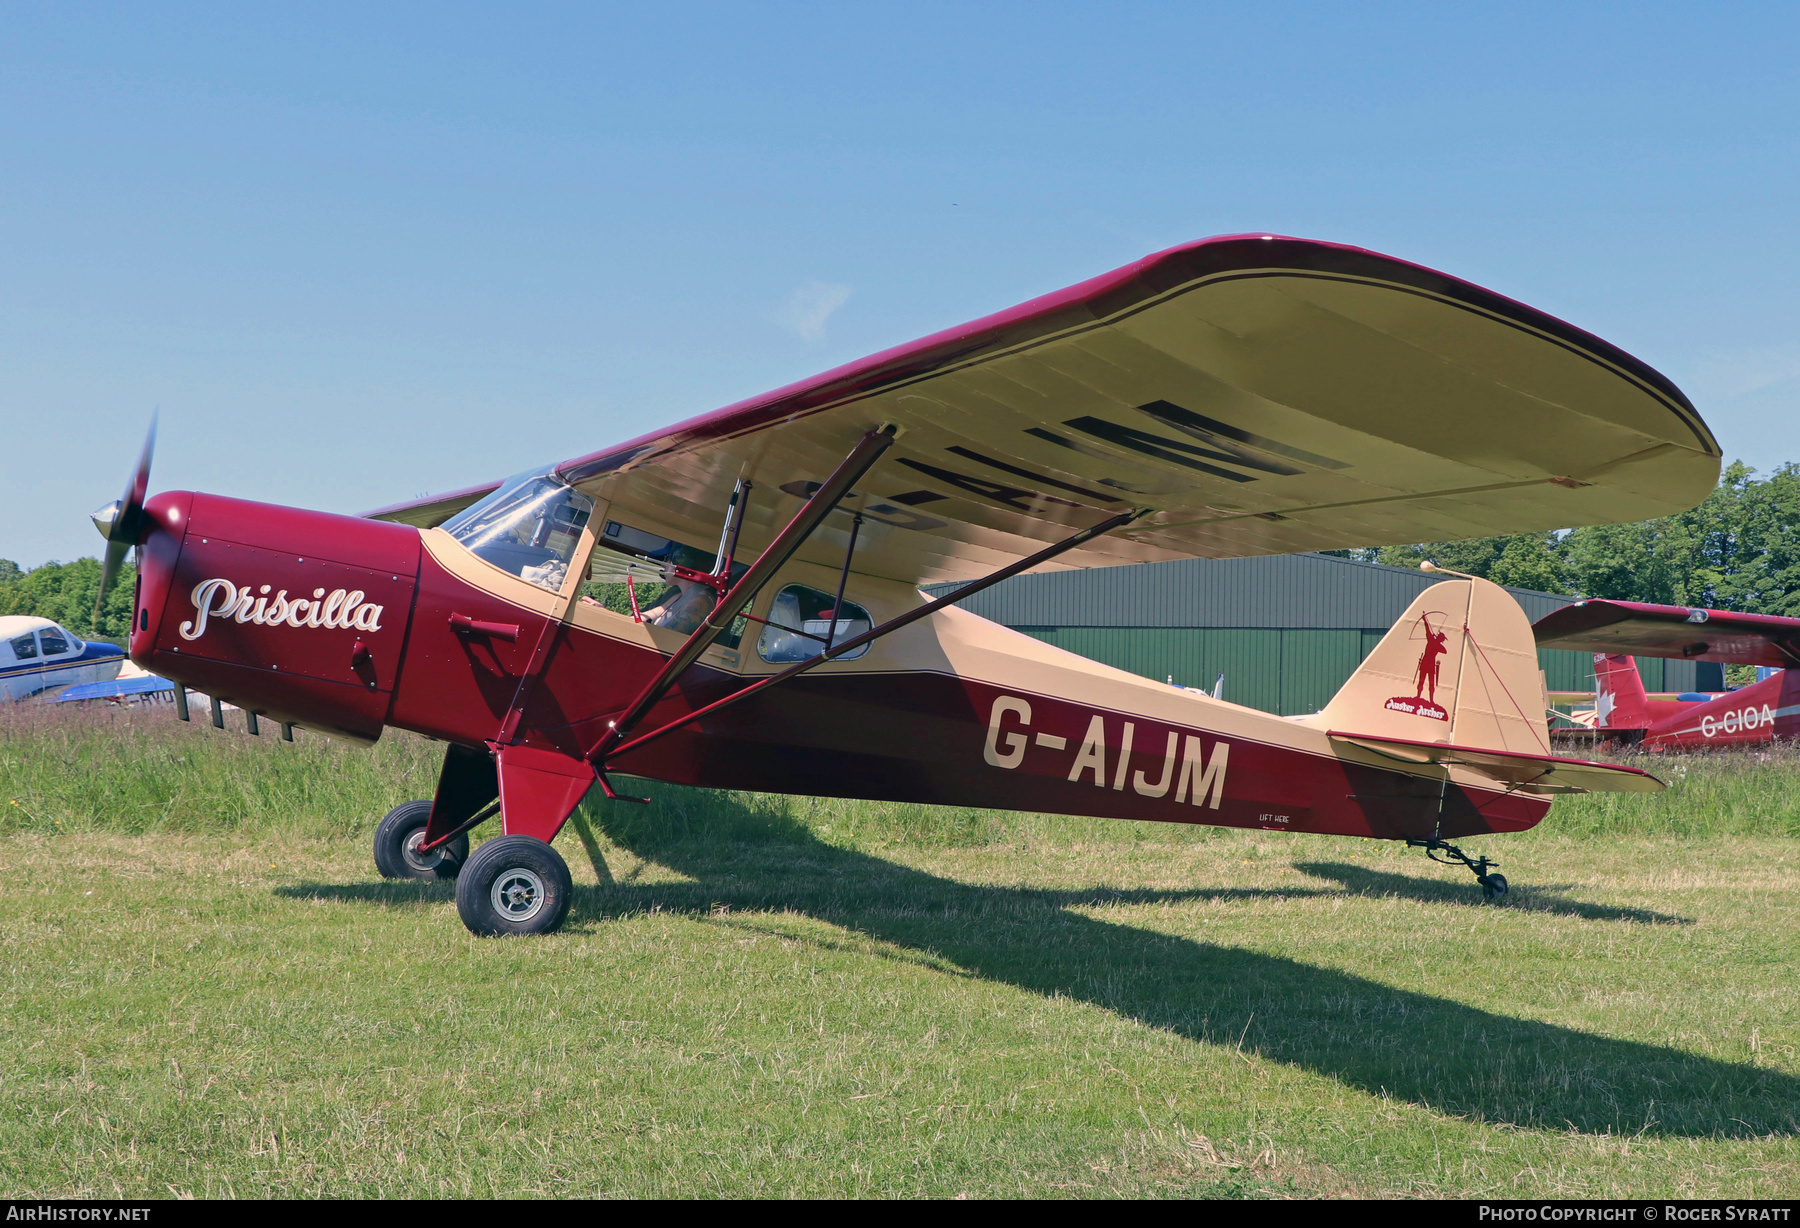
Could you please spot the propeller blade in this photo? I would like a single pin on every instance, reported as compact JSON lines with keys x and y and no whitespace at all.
{"x":119,"y":522}
{"x":131,"y":507}
{"x":115,"y":554}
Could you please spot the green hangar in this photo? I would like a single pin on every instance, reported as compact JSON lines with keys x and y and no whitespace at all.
{"x":1285,"y":630}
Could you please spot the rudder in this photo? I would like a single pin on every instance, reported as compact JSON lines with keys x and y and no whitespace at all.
{"x":1459,"y":666}
{"x":1620,"y":701}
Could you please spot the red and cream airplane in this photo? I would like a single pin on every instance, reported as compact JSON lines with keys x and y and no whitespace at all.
{"x":1616,"y":631}
{"x":1237,"y":396}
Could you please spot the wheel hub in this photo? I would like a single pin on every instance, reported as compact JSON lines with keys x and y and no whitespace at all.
{"x":517,"y":894}
{"x":423,"y":863}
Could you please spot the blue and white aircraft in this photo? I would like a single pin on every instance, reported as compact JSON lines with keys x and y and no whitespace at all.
{"x":38,"y":659}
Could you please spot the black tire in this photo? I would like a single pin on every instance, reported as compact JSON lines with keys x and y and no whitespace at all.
{"x":403,"y":828}
{"x":1493,"y":886}
{"x":514,"y":885}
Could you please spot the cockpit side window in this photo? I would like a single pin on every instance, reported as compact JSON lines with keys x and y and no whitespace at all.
{"x":630,"y":564}
{"x":24,"y":648}
{"x":530,"y":527}
{"x":800,"y":620}
{"x":54,"y":645}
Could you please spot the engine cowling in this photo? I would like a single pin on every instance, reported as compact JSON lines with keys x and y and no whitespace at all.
{"x":298,"y":615}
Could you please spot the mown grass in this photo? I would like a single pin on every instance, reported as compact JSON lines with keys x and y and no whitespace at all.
{"x":205,"y":988}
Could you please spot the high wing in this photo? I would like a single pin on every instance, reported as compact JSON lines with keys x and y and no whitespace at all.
{"x":1643,"y":630}
{"x":1253,"y":394}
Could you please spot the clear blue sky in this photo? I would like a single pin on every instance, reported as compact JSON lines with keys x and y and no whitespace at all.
{"x":360,"y":253}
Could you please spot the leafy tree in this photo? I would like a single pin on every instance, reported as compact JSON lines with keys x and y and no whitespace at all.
{"x":65,"y":592}
{"x":1626,"y":562}
{"x":1531,"y":560}
{"x":1527,"y":560}
{"x":1738,"y":550}
{"x":1765,"y":572}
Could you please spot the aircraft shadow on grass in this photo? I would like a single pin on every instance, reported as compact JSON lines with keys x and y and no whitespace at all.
{"x":1377,"y":884}
{"x":1455,"y":1058}
{"x":1448,"y":1056}
{"x":403,"y":894}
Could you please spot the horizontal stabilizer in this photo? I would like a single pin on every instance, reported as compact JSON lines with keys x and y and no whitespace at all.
{"x":1655,"y":697}
{"x":1531,"y":773}
{"x":1681,"y":632}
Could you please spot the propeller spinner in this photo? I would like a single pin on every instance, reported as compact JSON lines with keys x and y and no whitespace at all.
{"x":120,"y":520}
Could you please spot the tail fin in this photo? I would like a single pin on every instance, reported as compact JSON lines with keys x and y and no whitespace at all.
{"x":1460,"y":666}
{"x":1619,"y":699}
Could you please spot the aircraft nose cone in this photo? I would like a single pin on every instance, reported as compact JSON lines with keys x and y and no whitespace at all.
{"x":106,"y":517}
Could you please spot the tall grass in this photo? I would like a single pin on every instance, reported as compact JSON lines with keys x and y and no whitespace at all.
{"x":136,"y":770}
{"x":1716,"y":793}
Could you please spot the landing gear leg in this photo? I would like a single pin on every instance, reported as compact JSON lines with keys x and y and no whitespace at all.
{"x":1493,"y":886}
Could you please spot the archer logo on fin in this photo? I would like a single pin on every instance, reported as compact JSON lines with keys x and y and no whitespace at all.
{"x":1423,"y":700}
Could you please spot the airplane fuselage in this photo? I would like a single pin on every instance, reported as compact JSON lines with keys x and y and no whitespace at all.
{"x":1752,"y":715}
{"x":349,"y":626}
{"x":39,"y":659}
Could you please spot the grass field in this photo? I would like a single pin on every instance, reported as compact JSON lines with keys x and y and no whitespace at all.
{"x":204,"y":988}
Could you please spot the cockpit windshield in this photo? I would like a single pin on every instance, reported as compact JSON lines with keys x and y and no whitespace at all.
{"x":529,"y":527}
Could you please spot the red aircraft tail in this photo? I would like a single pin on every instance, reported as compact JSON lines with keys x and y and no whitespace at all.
{"x":1619,"y":698}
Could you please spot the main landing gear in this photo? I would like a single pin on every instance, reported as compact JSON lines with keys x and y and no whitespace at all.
{"x":397,"y":840}
{"x":1493,"y":886}
{"x":511,"y":885}
{"x":514,"y":885}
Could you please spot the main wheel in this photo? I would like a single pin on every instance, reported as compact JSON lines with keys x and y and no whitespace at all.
{"x":397,"y":840}
{"x":1493,"y":886}
{"x":514,"y":885}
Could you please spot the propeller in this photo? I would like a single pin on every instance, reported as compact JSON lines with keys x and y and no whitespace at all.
{"x":120,"y":520}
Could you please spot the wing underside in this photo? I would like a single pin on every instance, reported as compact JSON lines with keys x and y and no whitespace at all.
{"x":1253,"y":395}
{"x":1644,"y":630}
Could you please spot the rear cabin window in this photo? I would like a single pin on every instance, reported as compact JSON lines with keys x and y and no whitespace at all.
{"x":800,"y":621}
{"x":24,"y":648}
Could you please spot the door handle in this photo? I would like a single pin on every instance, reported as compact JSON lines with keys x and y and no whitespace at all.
{"x":462,"y":624}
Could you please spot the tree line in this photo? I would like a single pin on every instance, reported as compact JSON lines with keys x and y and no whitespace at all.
{"x":65,"y":592}
{"x":1738,"y":550}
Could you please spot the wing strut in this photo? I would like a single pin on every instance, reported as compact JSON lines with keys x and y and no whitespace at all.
{"x":893,"y":624}
{"x":843,"y":579}
{"x":867,"y":451}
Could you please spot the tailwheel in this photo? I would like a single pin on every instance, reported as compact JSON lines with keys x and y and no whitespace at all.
{"x":397,"y":840}
{"x":1493,"y":886}
{"x":514,"y":885}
